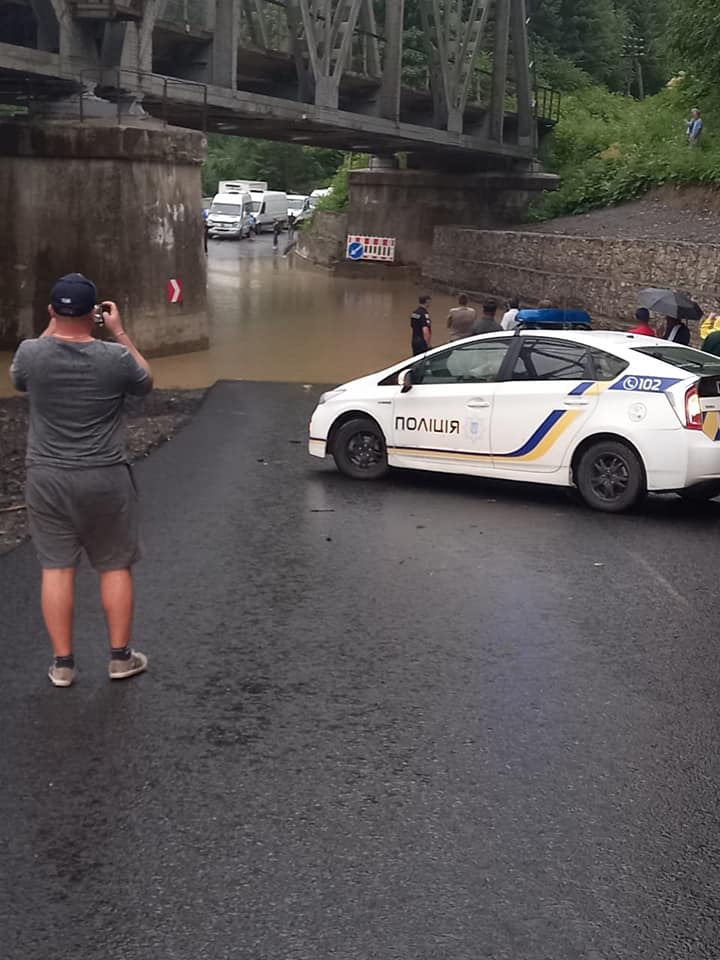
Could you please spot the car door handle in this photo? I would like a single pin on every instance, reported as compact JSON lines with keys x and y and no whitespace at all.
{"x":576,"y":402}
{"x":478,"y":404}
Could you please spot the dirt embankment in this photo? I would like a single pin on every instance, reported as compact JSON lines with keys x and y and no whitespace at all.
{"x":690,"y":214}
{"x":152,"y":421}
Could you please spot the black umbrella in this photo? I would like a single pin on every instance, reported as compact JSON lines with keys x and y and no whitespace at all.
{"x":670,"y":303}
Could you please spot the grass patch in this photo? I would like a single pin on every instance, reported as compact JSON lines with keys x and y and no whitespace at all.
{"x":608,"y":148}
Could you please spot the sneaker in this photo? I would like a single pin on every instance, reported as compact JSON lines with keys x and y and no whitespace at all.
{"x":121,"y":669}
{"x":61,"y":676}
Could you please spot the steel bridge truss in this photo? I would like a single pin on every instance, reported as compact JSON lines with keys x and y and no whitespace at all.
{"x":461,"y":73}
{"x":476,"y":51}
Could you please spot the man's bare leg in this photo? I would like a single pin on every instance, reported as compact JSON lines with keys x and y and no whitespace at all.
{"x":58,"y":600}
{"x":116,"y":593}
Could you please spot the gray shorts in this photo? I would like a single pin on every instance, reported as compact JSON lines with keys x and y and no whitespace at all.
{"x":94,"y":509}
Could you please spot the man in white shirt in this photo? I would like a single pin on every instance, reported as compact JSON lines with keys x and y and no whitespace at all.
{"x":509,"y":320}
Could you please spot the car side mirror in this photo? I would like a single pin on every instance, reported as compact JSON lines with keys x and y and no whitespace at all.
{"x":406,"y":381}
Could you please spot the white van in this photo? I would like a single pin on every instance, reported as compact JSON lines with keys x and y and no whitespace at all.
{"x":269,"y":206}
{"x":229,"y":215}
{"x":296,"y":204}
{"x":242,"y":186}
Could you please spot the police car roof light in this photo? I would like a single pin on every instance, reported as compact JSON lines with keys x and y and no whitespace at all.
{"x":554,"y":318}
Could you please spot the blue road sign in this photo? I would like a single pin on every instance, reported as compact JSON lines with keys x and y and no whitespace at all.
{"x":356,"y":251}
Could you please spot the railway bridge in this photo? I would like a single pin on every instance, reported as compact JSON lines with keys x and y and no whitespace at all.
{"x":113,"y":99}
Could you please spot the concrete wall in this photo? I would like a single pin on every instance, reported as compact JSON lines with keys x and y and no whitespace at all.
{"x":410,"y":204}
{"x":601,"y":275}
{"x":119,"y":204}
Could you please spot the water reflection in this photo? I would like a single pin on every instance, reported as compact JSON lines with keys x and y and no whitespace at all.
{"x":275,"y":319}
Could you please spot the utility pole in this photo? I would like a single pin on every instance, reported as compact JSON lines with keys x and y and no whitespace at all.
{"x":634,"y":53}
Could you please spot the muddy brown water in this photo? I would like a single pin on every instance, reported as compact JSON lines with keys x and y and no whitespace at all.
{"x":276,"y":318}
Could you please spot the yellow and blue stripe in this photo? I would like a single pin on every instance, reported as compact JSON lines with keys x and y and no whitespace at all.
{"x":535,"y":447}
{"x":711,"y":425}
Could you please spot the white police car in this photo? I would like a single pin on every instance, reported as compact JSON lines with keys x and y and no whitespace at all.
{"x":614,"y":414}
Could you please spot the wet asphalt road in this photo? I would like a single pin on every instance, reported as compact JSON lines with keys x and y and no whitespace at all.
{"x":427,"y":718}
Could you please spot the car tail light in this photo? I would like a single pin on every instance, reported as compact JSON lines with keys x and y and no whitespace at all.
{"x":693,"y":411}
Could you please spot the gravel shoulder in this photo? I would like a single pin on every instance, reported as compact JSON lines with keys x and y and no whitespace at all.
{"x":686,"y":216}
{"x":151,"y":421}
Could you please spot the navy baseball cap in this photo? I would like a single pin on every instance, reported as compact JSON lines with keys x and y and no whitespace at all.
{"x":73,"y":296}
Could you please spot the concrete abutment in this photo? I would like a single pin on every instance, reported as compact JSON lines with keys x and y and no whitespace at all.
{"x":120,"y":204}
{"x":410,"y":204}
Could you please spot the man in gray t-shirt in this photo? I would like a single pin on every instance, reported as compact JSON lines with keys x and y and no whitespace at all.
{"x":79,"y":491}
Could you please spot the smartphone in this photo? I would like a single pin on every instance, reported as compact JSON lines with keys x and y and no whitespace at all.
{"x":99,"y":319}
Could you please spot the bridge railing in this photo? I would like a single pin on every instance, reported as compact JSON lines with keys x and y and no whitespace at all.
{"x":547,"y":104}
{"x":121,"y":84}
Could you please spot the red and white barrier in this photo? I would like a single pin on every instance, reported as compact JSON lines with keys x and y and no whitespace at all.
{"x":371,"y":248}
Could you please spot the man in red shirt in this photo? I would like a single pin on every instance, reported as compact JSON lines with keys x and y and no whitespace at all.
{"x":642,"y":315}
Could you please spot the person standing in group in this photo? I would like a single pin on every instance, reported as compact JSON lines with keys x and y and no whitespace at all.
{"x":695,"y":128}
{"x":711,"y":343}
{"x":462,"y":319}
{"x":509,"y":320}
{"x":80,"y":492}
{"x":643,"y":328}
{"x":252,"y":226}
{"x":676,"y":331}
{"x":487,"y":322}
{"x":421,"y":326}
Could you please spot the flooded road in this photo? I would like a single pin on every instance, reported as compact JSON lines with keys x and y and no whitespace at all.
{"x":274,"y":318}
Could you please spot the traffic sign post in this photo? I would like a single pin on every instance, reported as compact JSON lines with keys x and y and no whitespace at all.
{"x":174,"y":291}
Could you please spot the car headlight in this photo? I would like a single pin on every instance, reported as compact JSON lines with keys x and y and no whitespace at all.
{"x":331,"y":395}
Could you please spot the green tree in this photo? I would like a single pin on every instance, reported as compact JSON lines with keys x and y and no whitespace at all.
{"x":695,"y":38}
{"x":285,"y":166}
{"x":596,"y":36}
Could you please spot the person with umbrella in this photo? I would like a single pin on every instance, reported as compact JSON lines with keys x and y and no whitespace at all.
{"x":677,"y":330}
{"x":676,"y":307}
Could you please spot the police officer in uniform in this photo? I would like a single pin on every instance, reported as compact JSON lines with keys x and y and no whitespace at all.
{"x":421,"y":326}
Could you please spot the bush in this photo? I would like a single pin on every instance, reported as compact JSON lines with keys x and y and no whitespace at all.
{"x":339,"y":197}
{"x":608,"y":148}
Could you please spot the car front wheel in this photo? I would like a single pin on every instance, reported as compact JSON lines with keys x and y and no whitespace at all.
{"x":610,"y":476}
{"x":359,"y":450}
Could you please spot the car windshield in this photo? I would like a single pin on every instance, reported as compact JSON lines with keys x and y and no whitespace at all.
{"x":256,"y":206}
{"x":228,"y":209}
{"x":693,"y":361}
{"x":296,"y":204}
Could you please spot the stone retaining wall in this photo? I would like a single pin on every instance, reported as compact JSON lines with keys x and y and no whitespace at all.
{"x":601,"y":275}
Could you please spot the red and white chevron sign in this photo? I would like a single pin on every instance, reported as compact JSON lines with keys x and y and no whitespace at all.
{"x":174,"y":291}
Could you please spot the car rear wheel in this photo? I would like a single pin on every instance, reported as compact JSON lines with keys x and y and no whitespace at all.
{"x":701,"y":492}
{"x":610,"y":476}
{"x":359,"y":450}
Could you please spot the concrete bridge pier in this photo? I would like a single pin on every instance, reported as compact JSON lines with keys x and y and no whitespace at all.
{"x":118,"y":203}
{"x":409,"y":204}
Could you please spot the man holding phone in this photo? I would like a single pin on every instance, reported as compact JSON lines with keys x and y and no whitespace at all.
{"x":80,"y":492}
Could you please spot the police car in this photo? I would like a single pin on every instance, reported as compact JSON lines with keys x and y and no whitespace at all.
{"x":614,"y":414}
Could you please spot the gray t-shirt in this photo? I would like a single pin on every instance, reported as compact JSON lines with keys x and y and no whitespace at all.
{"x":76,"y":400}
